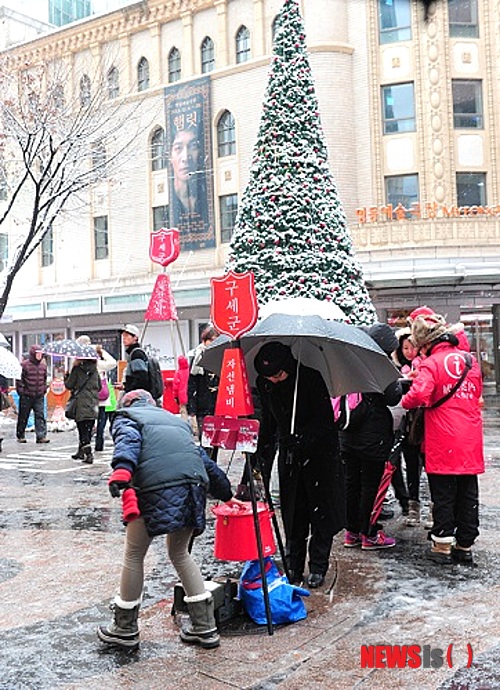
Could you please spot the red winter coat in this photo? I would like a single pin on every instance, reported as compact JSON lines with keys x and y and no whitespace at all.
{"x":453,"y":436}
{"x":180,"y":382}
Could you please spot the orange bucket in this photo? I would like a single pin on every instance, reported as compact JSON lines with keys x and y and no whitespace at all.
{"x":235,"y":538}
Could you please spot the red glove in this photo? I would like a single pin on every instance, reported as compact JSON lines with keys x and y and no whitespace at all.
{"x":120,"y":479}
{"x":130,"y":505}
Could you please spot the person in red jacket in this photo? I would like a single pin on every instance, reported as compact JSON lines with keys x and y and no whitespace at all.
{"x":453,"y":436}
{"x":180,"y":385}
{"x":31,"y":388}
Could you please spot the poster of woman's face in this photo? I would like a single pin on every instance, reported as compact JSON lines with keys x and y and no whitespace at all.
{"x":190,"y":179}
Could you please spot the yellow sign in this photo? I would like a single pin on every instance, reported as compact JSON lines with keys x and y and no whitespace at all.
{"x":428,"y":211}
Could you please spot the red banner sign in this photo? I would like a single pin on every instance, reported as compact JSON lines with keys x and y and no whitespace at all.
{"x":234,"y":303}
{"x":230,"y":434}
{"x":164,"y":246}
{"x":161,"y":305}
{"x":234,"y":398}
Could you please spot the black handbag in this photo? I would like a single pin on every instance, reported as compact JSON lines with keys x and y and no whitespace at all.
{"x":416,"y":416}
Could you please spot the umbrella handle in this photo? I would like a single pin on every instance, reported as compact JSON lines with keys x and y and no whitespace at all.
{"x":294,"y":406}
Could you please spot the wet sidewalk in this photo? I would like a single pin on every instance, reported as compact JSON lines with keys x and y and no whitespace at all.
{"x":60,"y":552}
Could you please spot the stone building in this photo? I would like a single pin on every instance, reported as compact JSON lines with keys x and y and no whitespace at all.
{"x":411,"y":119}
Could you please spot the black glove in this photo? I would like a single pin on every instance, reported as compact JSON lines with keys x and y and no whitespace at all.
{"x":405,"y":385}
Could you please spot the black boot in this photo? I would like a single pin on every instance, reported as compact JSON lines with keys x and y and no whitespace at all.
{"x":123,"y":631}
{"x":87,"y":455}
{"x":79,"y":453}
{"x":203,"y":629}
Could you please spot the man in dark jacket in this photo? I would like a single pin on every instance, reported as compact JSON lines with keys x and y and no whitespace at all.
{"x":31,"y":388}
{"x":155,"y":456}
{"x":136,"y":372}
{"x":298,"y":416}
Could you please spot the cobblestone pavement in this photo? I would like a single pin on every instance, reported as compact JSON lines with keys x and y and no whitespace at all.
{"x":60,"y":552}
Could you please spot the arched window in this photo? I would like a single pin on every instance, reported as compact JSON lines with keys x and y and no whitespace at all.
{"x":226,"y":135}
{"x":242,"y":45}
{"x":174,"y":65}
{"x":275,"y":26}
{"x":207,"y":55}
{"x":158,"y":150}
{"x":99,"y":157}
{"x":85,"y":91}
{"x":113,"y":83}
{"x":143,"y":74}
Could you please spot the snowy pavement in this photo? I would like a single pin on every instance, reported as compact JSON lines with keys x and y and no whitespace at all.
{"x":60,"y":553}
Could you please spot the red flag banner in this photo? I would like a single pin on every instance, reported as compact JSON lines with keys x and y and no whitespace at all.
{"x":161,"y":305}
{"x":164,"y":246}
{"x":234,"y":303}
{"x":234,"y":398}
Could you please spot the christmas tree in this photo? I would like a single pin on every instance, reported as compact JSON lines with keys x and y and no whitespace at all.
{"x":291,"y":229}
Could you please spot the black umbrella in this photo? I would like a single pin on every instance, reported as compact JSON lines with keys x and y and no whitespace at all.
{"x":348,"y":358}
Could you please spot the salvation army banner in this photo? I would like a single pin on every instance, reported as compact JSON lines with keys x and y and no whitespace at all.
{"x":188,"y":127}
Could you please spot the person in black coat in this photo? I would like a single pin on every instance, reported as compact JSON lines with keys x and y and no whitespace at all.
{"x":309,"y":468}
{"x":164,"y":476}
{"x":365,"y":446}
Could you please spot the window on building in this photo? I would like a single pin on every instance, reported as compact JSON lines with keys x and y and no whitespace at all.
{"x":242,"y":45}
{"x":463,"y":18}
{"x":65,"y":11}
{"x":142,"y":74}
{"x":101,"y":239}
{"x":471,"y":189}
{"x":3,"y":186}
{"x":398,"y":108}
{"x":394,"y":20}
{"x":113,"y":83}
{"x":467,"y":104}
{"x":160,"y":217}
{"x":99,"y":157}
{"x":226,"y":135}
{"x":58,"y":97}
{"x":402,"y":189}
{"x":207,"y":55}
{"x":228,"y":207}
{"x":4,"y":250}
{"x":158,"y":149}
{"x":47,"y":248}
{"x":85,"y":92}
{"x":275,"y":26}
{"x":174,"y":65}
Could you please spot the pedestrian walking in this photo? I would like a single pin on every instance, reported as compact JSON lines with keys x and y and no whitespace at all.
{"x":180,"y":385}
{"x":297,"y":416}
{"x":156,"y":456}
{"x":105,"y":364}
{"x":203,"y":385}
{"x":450,"y":393}
{"x":136,"y":373}
{"x":84,"y":383}
{"x":31,"y":388}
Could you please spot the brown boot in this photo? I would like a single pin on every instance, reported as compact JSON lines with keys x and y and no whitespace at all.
{"x":413,"y":518}
{"x":440,"y":551}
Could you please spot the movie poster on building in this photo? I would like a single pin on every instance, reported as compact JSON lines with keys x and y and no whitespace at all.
{"x":188,"y":126}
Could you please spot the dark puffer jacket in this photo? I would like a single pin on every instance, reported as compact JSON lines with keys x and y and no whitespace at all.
{"x":84,"y":377}
{"x":136,"y":372}
{"x":33,"y":381}
{"x":169,"y":471}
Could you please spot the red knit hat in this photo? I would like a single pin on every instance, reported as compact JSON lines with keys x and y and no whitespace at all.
{"x":421,"y":311}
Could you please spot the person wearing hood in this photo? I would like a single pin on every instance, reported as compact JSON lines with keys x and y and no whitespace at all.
{"x":164,"y":477}
{"x":453,"y":435}
{"x":297,"y":418}
{"x":31,"y":388}
{"x":180,"y":385}
{"x":365,"y":446}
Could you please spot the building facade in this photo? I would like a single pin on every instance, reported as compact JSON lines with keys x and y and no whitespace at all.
{"x":410,"y":113}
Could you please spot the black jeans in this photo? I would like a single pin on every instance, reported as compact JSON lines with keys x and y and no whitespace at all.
{"x":362,"y":479}
{"x":101,"y":425}
{"x":456,"y":507}
{"x":26,"y":404}
{"x":85,"y":427}
{"x":413,"y":462}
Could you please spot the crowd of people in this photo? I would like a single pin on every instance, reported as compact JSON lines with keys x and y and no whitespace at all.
{"x":330,"y":455}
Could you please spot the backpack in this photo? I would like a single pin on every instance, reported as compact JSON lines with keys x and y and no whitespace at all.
{"x":155,"y":378}
{"x":349,"y":410}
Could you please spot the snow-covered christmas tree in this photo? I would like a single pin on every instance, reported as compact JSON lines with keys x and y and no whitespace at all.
{"x":291,"y":229}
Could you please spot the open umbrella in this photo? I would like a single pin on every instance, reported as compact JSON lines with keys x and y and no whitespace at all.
{"x":303,"y":306}
{"x":347,"y":357}
{"x":3,"y":341}
{"x":88,"y":352}
{"x":9,"y":364}
{"x":65,"y":348}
